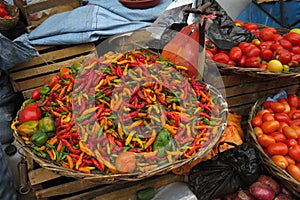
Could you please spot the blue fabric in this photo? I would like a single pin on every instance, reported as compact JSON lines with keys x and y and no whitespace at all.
{"x":252,"y":13}
{"x":13,"y":52}
{"x":98,"y":19}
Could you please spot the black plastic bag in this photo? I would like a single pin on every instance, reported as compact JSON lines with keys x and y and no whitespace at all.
{"x":225,"y":173}
{"x":223,"y":31}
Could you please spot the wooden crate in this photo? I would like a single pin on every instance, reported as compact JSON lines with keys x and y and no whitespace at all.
{"x":27,"y":76}
{"x":49,"y":185}
{"x":242,"y":91}
{"x":29,"y":10}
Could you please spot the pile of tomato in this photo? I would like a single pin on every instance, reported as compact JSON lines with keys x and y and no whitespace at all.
{"x":4,"y":12}
{"x":268,"y":51}
{"x":277,"y":128}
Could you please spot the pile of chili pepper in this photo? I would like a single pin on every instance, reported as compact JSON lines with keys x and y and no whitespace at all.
{"x":133,"y":101}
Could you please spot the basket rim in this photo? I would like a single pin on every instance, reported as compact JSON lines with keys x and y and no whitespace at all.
{"x":292,"y":184}
{"x":254,"y":72}
{"x":111,"y":178}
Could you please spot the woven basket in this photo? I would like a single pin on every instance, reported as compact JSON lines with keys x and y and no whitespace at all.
{"x":7,"y":24}
{"x":163,"y":169}
{"x":290,"y":183}
{"x":254,"y":72}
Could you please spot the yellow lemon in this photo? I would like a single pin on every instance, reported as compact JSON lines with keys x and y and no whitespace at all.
{"x":295,"y":30}
{"x":275,"y":66}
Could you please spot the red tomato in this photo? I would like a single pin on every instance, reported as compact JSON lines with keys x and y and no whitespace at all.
{"x":277,"y":107}
{"x":265,"y":140}
{"x":283,"y":55}
{"x":253,"y":51}
{"x":291,"y":142}
{"x":293,"y":100}
{"x":209,"y":55}
{"x":31,"y":112}
{"x":126,"y":162}
{"x":282,"y":117}
{"x":235,"y":53}
{"x":296,"y":49}
{"x":263,"y":67}
{"x":221,"y":58}
{"x":280,"y":161}
{"x":270,"y":126}
{"x":286,"y":44}
{"x":242,"y":61}
{"x":290,"y":160}
{"x":281,"y":125}
{"x":35,"y":95}
{"x":296,"y":115}
{"x":289,"y":132}
{"x":266,"y":104}
{"x":278,"y":148}
{"x":3,"y":12}
{"x":294,"y":171}
{"x":252,"y":62}
{"x":211,"y":46}
{"x":267,"y":117}
{"x":277,"y":37}
{"x":295,"y":122}
{"x":275,"y":47}
{"x":261,"y":112}
{"x":231,"y":62}
{"x":294,"y":152}
{"x":297,"y":129}
{"x":294,"y":38}
{"x":266,"y":34}
{"x":296,"y":58}
{"x":278,"y":136}
{"x":266,"y":54}
{"x":256,"y":121}
{"x":250,"y":26}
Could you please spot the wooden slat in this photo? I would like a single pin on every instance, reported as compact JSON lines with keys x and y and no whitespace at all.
{"x":56,"y":55}
{"x":66,"y":188}
{"x":45,"y":4}
{"x":41,"y":175}
{"x":127,"y":190}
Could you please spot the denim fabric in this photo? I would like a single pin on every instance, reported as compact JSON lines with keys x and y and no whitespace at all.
{"x":7,"y":189}
{"x":8,"y":106}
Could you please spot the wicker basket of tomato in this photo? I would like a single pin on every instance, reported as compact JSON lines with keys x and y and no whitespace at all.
{"x":9,"y":16}
{"x":273,"y":52}
{"x":123,"y":116}
{"x":274,"y":129}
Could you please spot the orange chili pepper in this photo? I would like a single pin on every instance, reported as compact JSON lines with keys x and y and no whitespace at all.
{"x":52,"y":141}
{"x":151,"y":140}
{"x":70,"y":161}
{"x":79,"y":161}
{"x":84,"y":149}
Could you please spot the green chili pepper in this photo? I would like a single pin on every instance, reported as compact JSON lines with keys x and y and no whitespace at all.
{"x":47,"y":124}
{"x":174,"y":99}
{"x":100,"y":132}
{"x":45,"y":90}
{"x":76,"y":68}
{"x":38,"y":152}
{"x":206,"y":121}
{"x":84,"y":117}
{"x":39,"y":138}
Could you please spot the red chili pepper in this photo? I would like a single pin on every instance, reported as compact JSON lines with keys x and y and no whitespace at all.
{"x":96,"y":164}
{"x":70,"y":147}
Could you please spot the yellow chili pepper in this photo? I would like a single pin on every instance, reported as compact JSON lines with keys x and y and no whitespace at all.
{"x":84,"y":149}
{"x":139,"y":141}
{"x":181,"y":67}
{"x":129,"y":137}
{"x":120,"y":130}
{"x":90,"y":110}
{"x":125,"y":70}
{"x":62,"y":92}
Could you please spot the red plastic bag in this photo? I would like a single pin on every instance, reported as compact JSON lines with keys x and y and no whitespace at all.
{"x":183,"y":49}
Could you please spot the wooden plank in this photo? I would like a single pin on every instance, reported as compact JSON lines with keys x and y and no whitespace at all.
{"x":55,"y":55}
{"x":41,"y":175}
{"x":127,"y":190}
{"x":66,"y":188}
{"x":45,"y":4}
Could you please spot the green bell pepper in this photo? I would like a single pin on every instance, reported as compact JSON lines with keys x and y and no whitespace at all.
{"x":45,"y":90}
{"x":28,"y":128}
{"x":164,"y":141}
{"x":39,"y":138}
{"x":47,"y":124}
